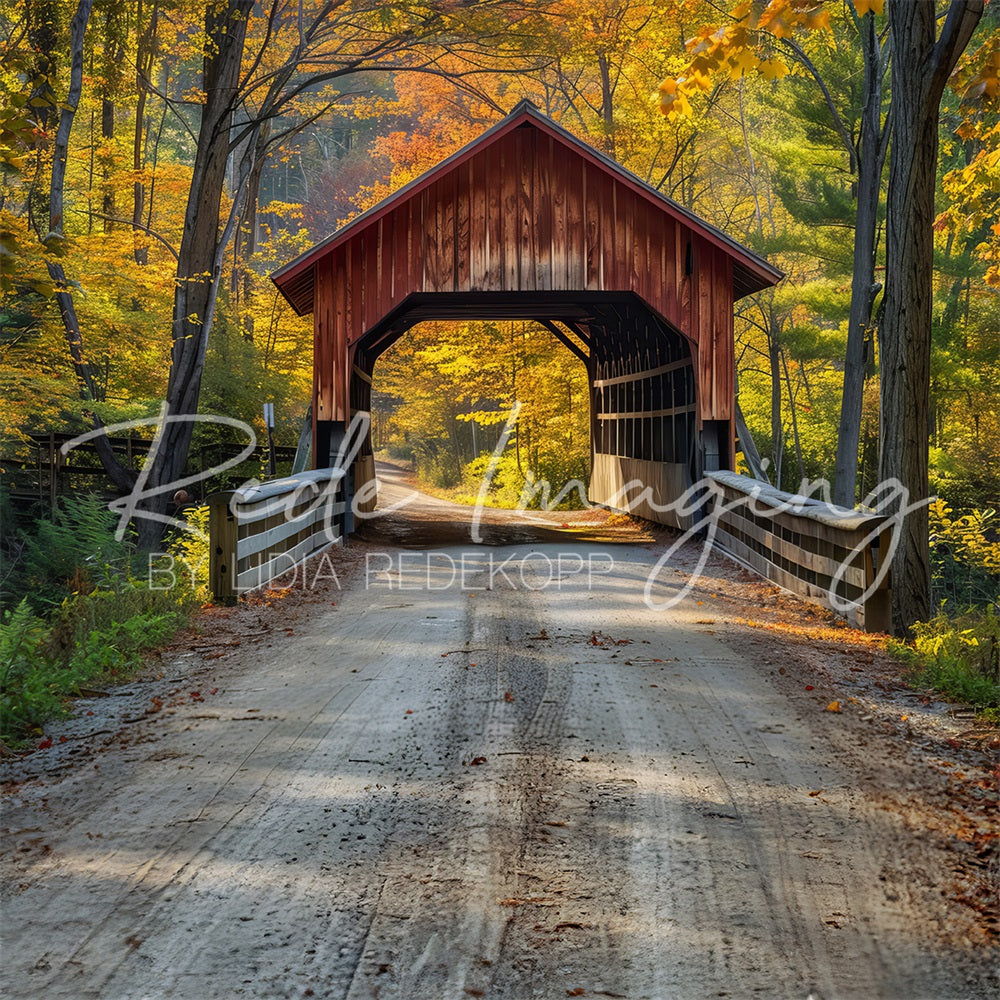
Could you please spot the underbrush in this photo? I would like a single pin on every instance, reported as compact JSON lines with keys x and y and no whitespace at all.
{"x":87,"y":616}
{"x":959,"y":656}
{"x":958,"y":652}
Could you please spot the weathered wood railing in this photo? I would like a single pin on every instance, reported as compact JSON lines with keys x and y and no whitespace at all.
{"x":261,"y":532}
{"x":825,"y":554}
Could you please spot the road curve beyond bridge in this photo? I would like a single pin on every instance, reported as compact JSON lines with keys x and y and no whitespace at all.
{"x":438,"y":780}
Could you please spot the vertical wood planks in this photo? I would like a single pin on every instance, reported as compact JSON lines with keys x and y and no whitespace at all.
{"x":509,"y":182}
{"x":526,"y":209}
{"x":462,"y":229}
{"x":592,"y":228}
{"x":491,"y":181}
{"x":323,"y":340}
{"x":575,"y":250}
{"x":477,"y":224}
{"x":542,"y":165}
{"x":558,"y":196}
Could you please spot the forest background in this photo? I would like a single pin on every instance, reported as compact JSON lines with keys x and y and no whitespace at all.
{"x":161,"y":157}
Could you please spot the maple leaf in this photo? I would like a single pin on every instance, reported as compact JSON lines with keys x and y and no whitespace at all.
{"x":773,"y":69}
{"x":863,"y":7}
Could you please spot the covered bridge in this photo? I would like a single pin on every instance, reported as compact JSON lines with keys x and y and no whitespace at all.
{"x":529,"y":222}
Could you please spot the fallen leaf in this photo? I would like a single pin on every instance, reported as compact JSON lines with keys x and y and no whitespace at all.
{"x":508,"y":696}
{"x":45,"y":744}
{"x":476,"y":761}
{"x":834,"y":706}
{"x":819,"y":791}
{"x":578,"y":992}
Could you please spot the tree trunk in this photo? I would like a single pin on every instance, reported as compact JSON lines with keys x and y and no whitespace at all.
{"x":920,"y":68}
{"x":870,"y":160}
{"x":607,"y":104}
{"x":198,"y":264}
{"x":145,"y":48}
{"x":55,"y":241}
{"x":777,"y":427}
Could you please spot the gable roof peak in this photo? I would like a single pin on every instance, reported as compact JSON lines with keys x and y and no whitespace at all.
{"x":759,"y":272}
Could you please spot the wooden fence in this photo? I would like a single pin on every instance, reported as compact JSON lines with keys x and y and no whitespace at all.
{"x":36,"y":470}
{"x":258,"y":533}
{"x":825,"y":554}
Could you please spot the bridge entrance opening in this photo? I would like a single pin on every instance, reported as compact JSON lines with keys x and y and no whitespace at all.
{"x":497,"y":408}
{"x":638,"y":378}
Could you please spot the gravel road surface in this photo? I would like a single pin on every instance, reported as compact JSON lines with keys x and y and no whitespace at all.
{"x":443,"y":779}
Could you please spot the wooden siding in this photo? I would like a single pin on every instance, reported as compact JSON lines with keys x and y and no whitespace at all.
{"x":525,"y":214}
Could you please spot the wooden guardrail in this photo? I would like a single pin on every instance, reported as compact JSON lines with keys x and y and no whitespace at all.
{"x":826,"y":554}
{"x":261,"y":532}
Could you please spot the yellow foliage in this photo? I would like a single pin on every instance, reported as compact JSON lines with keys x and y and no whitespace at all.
{"x":967,"y":536}
{"x":868,"y":6}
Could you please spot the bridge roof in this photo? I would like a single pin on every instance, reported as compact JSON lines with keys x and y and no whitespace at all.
{"x":750,"y":273}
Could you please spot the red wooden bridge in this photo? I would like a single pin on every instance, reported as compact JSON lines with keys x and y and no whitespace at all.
{"x":528,"y":222}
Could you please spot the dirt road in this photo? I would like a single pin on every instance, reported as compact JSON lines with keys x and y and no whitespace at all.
{"x":446,"y":779}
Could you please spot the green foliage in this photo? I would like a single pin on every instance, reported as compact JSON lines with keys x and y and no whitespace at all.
{"x":89,"y":617}
{"x":958,"y":656}
{"x":71,"y":549}
{"x":38,"y":675}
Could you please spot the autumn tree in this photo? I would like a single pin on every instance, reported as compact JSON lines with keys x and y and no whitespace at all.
{"x":764,"y":39}
{"x":923,"y":59}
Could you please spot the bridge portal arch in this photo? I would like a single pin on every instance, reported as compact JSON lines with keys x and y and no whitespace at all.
{"x":529,"y":222}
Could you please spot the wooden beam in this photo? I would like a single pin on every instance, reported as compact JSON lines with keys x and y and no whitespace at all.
{"x":564,"y":339}
{"x":661,"y":370}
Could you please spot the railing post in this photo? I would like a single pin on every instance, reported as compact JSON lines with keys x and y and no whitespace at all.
{"x":878,"y":606}
{"x":222,"y":563}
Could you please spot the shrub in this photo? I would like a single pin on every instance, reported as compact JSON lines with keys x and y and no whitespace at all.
{"x":965,"y":555}
{"x":958,"y":656}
